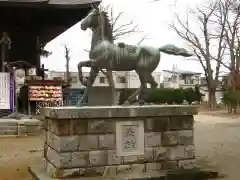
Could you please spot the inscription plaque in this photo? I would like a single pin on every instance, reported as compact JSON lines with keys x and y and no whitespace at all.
{"x":129,"y":138}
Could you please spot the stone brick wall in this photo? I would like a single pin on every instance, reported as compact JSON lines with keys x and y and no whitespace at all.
{"x":79,"y":143}
{"x":22,"y":127}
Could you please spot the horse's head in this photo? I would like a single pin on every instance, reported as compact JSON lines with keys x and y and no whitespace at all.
{"x":92,"y":20}
{"x":98,"y":20}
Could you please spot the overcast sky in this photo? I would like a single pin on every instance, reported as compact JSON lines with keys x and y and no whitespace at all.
{"x":152,"y":18}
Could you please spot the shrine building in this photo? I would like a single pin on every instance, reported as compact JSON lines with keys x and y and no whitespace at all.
{"x":31,"y":24}
{"x":26,"y":27}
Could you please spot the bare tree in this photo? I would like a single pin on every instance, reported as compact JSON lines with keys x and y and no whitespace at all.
{"x":120,"y":30}
{"x":174,"y":4}
{"x":67,"y":57}
{"x":231,"y":9}
{"x":68,"y":75}
{"x":44,"y":53}
{"x":201,"y":43}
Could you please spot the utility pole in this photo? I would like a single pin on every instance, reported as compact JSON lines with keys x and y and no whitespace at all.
{"x":68,"y":78}
{"x":67,"y":57}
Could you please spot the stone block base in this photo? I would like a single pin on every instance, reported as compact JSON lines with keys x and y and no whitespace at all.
{"x":23,"y":127}
{"x":119,"y":170}
{"x":118,"y":141}
{"x":39,"y":173}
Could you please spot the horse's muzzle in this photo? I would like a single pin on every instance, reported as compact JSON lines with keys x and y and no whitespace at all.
{"x":83,"y":26}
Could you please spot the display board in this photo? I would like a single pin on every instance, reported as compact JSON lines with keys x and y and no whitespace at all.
{"x":5,"y":102}
{"x":45,"y":93}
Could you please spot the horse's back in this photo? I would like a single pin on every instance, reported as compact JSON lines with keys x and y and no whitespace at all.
{"x":128,"y":57}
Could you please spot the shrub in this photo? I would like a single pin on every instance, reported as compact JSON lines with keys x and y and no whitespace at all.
{"x":166,"y":95}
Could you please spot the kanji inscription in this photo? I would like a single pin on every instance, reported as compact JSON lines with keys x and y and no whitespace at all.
{"x":130,"y":138}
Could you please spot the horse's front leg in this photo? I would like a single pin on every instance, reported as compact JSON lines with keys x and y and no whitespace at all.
{"x":93,"y":74}
{"x":88,"y":63}
{"x":132,"y":97}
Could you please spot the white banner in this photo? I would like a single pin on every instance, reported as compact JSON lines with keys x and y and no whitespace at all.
{"x":4,"y":90}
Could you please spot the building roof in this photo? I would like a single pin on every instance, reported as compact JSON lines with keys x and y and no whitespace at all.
{"x":225,"y":75}
{"x":49,"y":2}
{"x":183,"y":72}
{"x":48,"y":18}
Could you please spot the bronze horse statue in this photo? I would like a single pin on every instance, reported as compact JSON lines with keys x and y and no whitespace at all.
{"x":104,"y":54}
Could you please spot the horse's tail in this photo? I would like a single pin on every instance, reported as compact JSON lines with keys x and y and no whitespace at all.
{"x":174,"y":50}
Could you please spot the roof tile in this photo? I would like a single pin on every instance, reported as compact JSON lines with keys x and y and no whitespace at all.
{"x":57,"y":2}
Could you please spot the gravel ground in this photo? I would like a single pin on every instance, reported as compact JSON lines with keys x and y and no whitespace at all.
{"x":16,"y":154}
{"x":217,"y":143}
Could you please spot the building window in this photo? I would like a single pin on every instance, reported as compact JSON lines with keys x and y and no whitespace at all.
{"x":57,"y":78}
{"x":225,"y":81}
{"x":197,"y":78}
{"x":166,"y":79}
{"x":121,"y":80}
{"x":174,"y":78}
{"x":74,"y":79}
{"x":102,"y":80}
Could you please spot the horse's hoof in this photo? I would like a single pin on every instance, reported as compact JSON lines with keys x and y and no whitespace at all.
{"x":141,"y":102}
{"x":80,"y":104}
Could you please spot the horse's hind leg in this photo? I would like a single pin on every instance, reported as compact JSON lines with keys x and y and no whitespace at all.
{"x":151,"y":81}
{"x":141,"y":92}
{"x":143,"y":88}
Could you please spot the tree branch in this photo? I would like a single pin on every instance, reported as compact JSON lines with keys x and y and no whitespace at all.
{"x":201,"y":43}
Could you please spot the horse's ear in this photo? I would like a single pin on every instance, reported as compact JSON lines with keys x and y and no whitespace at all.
{"x":94,"y":6}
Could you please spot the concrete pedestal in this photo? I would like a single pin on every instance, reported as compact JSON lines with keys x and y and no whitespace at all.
{"x":117,"y":141}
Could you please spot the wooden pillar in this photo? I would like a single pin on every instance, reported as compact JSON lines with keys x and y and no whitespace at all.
{"x":3,"y":51}
{"x":38,"y":56}
{"x":5,"y":44}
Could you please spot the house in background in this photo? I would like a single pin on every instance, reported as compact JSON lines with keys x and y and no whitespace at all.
{"x":101,"y":93}
{"x":122,"y":79}
{"x":180,"y":79}
{"x":188,"y":79}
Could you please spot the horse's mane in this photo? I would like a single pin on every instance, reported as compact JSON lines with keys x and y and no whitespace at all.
{"x":108,"y":30}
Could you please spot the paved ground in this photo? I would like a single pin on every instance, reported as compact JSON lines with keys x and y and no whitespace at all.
{"x":16,"y":154}
{"x":220,"y":113}
{"x":217,"y":143}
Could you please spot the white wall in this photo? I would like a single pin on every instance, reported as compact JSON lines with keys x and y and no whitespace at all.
{"x":204,"y":91}
{"x":132,"y":80}
{"x":169,"y":84}
{"x":177,"y":83}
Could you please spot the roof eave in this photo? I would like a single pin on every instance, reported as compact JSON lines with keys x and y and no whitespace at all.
{"x":49,"y":4}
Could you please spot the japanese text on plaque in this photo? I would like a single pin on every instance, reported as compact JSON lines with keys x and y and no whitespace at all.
{"x":129,"y":137}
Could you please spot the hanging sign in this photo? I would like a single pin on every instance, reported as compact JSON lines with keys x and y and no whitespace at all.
{"x":12,"y":92}
{"x":4,"y":90}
